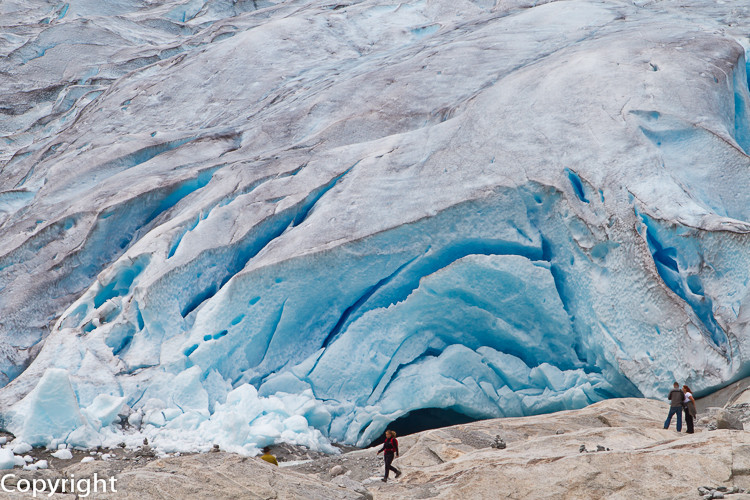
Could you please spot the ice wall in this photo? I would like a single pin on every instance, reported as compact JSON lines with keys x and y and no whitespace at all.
{"x":238,"y":223}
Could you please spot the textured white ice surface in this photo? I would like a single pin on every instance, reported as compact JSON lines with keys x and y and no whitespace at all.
{"x":248,"y":222}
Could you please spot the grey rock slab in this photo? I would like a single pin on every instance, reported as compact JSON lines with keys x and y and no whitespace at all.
{"x":644,"y":461}
{"x":224,"y":476}
{"x":726,"y":419}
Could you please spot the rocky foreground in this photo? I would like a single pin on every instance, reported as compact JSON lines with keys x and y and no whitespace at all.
{"x":612,"y":449}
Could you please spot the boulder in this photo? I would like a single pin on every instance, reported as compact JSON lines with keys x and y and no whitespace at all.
{"x":726,"y":419}
{"x":337,"y":470}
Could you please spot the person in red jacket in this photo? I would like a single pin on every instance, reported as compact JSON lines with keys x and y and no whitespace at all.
{"x":390,"y":451}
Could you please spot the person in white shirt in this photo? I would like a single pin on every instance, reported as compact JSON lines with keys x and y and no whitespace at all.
{"x":689,"y":405}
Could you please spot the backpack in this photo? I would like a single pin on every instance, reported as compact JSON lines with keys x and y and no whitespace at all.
{"x":388,"y":445}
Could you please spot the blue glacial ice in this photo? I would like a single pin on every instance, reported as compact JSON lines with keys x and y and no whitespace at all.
{"x":294,"y":221}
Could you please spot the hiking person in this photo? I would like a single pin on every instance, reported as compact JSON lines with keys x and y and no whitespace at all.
{"x":676,"y":397}
{"x":390,"y":451}
{"x":268,"y":457}
{"x":689,"y":405}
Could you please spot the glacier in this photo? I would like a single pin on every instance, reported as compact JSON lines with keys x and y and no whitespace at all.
{"x":247,"y":222}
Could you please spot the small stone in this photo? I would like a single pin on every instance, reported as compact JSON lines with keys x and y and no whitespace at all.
{"x":717,"y":494}
{"x":600,"y":448}
{"x":499,"y":443}
{"x":582,"y":448}
{"x":723,"y":489}
{"x":146,"y":451}
{"x":337,"y":470}
{"x":559,"y":431}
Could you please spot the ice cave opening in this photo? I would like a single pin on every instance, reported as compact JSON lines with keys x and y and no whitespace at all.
{"x":424,"y":419}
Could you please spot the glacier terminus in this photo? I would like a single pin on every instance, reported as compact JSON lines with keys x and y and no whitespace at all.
{"x":245,"y":222}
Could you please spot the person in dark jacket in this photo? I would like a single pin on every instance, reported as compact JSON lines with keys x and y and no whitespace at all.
{"x":690,"y":410}
{"x":390,"y":451}
{"x":676,"y":396}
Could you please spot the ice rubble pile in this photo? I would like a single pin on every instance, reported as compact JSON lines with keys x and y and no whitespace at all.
{"x":238,"y":223}
{"x":15,"y":454}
